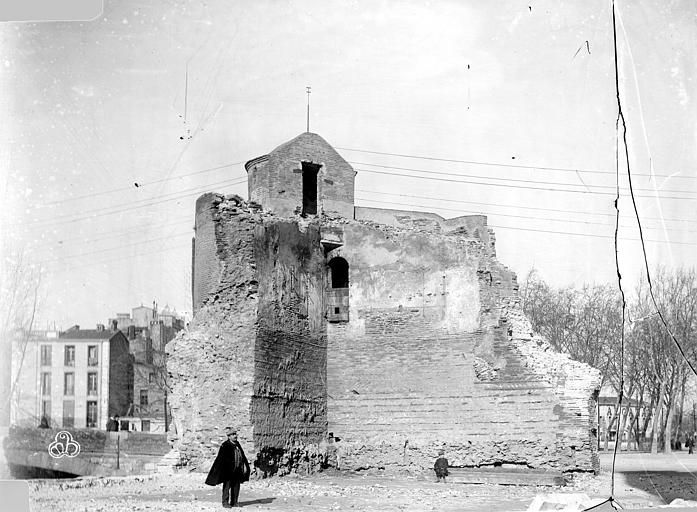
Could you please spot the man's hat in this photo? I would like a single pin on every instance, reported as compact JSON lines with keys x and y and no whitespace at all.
{"x":230,"y":430}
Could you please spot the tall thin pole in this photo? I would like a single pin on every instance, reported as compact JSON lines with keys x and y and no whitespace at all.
{"x":308,"y":107}
{"x":186,"y":89}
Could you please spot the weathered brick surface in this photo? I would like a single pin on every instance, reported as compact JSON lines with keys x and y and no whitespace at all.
{"x":255,"y":354}
{"x":275,"y":180}
{"x":288,"y":408}
{"x":206,"y":264}
{"x":211,"y":367}
{"x":425,"y":362}
{"x":468,"y":226}
{"x":429,"y":349}
{"x":575,"y":384}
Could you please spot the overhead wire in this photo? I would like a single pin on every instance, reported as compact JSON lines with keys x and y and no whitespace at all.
{"x":528,"y":187}
{"x":499,"y":164}
{"x":531,"y":217}
{"x":517,"y":207}
{"x":123,"y":207}
{"x":494,"y":226}
{"x":141,"y":184}
{"x":496,"y":178}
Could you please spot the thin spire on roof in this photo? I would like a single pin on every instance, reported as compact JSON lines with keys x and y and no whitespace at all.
{"x":308,"y":107}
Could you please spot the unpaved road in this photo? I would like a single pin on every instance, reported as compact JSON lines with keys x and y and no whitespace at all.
{"x":641,"y":481}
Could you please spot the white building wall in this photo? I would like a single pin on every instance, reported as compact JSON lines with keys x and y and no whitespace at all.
{"x":27,"y":397}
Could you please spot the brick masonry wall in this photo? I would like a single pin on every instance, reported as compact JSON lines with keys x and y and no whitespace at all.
{"x":467,"y":226}
{"x":576,"y":386}
{"x":275,"y":182}
{"x":426,"y":362}
{"x":434,"y":354}
{"x":211,"y":366}
{"x":288,"y":408}
{"x":255,"y":354}
{"x":206,"y":261}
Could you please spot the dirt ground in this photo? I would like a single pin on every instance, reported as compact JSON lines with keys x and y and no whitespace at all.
{"x":641,"y":480}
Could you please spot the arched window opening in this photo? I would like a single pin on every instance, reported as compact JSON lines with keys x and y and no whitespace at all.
{"x":337,"y":295}
{"x":339,"y":273}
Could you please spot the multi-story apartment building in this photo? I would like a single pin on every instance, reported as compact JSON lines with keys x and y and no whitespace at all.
{"x":148,"y":331}
{"x":76,"y":378}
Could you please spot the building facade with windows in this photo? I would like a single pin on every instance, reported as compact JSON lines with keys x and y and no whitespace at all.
{"x":76,"y":378}
{"x":148,"y":330}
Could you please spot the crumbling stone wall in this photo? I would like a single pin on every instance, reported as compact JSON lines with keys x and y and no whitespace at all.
{"x":255,"y":353}
{"x":288,"y":407}
{"x":211,"y":366}
{"x":426,"y":362}
{"x":576,"y":386}
{"x":435,"y":353}
{"x":466,"y":226}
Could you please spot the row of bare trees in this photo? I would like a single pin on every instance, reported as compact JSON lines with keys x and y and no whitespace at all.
{"x":587,"y":324}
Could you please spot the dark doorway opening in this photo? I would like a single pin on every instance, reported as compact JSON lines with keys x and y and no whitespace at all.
{"x":339,"y":273}
{"x":310,"y":188}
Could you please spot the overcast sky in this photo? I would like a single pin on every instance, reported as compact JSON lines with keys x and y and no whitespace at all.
{"x":501,"y":108}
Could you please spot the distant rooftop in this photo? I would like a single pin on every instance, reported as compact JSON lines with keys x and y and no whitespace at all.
{"x":75,"y":333}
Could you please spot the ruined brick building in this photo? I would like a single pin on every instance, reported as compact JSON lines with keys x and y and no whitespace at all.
{"x":363,"y":337}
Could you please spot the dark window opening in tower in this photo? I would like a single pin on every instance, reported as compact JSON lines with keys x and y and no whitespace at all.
{"x":310,"y":188}
{"x":339,"y":273}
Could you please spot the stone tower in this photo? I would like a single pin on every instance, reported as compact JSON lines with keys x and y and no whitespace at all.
{"x":303,"y":176}
{"x":388,"y":334}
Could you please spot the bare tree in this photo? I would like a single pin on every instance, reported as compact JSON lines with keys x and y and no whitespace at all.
{"x":20,"y":285}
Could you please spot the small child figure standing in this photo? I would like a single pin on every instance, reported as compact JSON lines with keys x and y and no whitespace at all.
{"x":441,"y":467}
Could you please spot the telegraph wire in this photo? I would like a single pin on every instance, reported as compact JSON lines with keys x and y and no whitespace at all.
{"x":548,"y":189}
{"x":134,"y":204}
{"x":130,"y":257}
{"x":496,"y":164}
{"x":102,"y":235}
{"x":185,"y":220}
{"x":211,"y":169}
{"x":591,"y":235}
{"x":223,"y":166}
{"x":496,"y":178}
{"x":141,"y":184}
{"x":494,"y":226}
{"x":517,"y":207}
{"x":530,"y":217}
{"x":120,"y":246}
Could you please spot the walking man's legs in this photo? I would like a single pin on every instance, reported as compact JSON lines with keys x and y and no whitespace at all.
{"x":227,"y":487}
{"x":235,"y":493}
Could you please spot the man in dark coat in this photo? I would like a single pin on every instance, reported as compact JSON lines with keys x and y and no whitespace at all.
{"x":441,"y":467}
{"x":229,"y":468}
{"x":113,"y":424}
